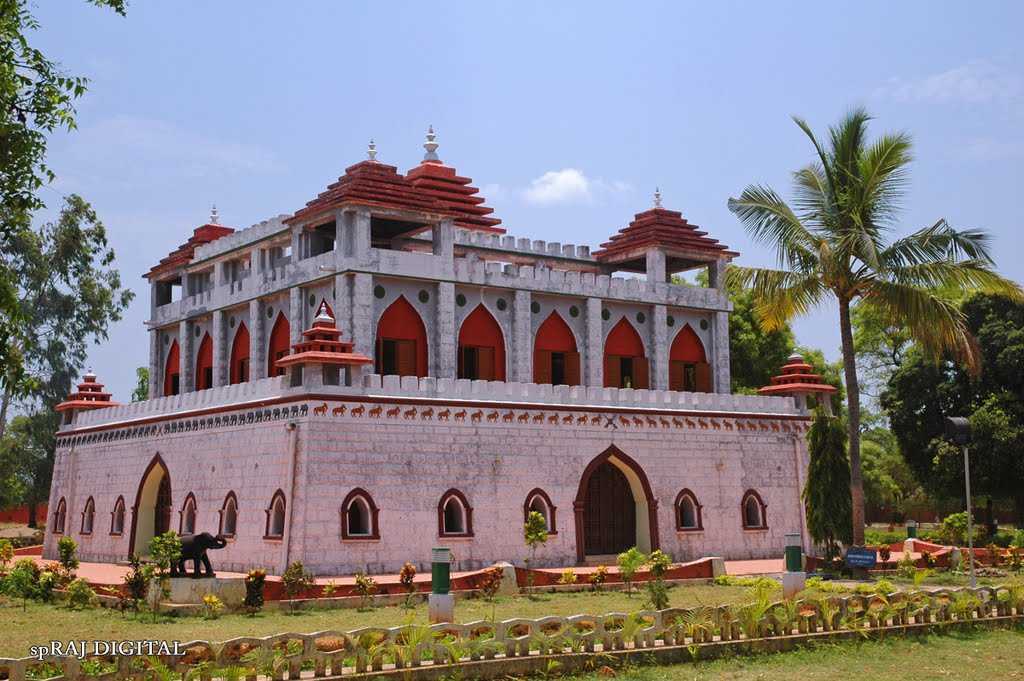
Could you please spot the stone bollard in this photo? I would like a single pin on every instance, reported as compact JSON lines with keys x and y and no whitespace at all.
{"x":794,"y":579}
{"x":441,"y":603}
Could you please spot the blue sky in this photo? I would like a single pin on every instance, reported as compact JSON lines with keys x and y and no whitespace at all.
{"x":567,"y":115}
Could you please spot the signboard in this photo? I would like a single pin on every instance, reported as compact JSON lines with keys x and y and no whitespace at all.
{"x":860,"y":557}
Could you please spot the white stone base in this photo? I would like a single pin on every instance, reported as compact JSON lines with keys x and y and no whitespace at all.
{"x":441,"y":608}
{"x":509,"y":584}
{"x":793,"y":583}
{"x":188,"y":591}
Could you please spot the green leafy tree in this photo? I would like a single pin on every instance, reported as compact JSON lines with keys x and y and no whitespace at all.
{"x":826,"y":500}
{"x":629,"y":562}
{"x":36,"y":99}
{"x":535,"y":534}
{"x":141,"y":392}
{"x":833,"y":246}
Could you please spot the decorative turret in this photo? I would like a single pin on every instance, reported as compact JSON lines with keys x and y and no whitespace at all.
{"x":89,"y":396}
{"x":320,"y":358}
{"x":797,"y":379}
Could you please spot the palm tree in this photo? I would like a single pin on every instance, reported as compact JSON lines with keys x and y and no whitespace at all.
{"x":832,"y":242}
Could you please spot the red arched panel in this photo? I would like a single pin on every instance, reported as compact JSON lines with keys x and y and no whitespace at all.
{"x":280,"y":338}
{"x":624,"y":341}
{"x":402,"y":323}
{"x":172,"y":370}
{"x":481,"y":334}
{"x":687,"y":347}
{"x":555,"y":357}
{"x":204,"y":364}
{"x":240,"y":356}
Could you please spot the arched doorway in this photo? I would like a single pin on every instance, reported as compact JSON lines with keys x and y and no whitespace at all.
{"x":172,"y":371}
{"x":401,"y":341}
{"x":151,"y":514}
{"x":481,"y":347}
{"x":614,"y":507}
{"x":280,"y":337}
{"x":555,"y":359}
{"x":204,"y":364}
{"x":625,"y":365}
{"x":240,"y":356}
{"x":688,"y":367}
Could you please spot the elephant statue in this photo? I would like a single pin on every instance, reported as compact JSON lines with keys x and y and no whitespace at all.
{"x":194,"y":548}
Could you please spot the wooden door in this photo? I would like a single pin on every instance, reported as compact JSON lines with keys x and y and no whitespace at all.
{"x":609,"y":512}
{"x":162,"y":516}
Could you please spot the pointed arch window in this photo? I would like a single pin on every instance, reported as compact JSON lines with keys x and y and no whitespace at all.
{"x":275,"y":516}
{"x":204,"y":364}
{"x":88,"y":516}
{"x":229,"y":516}
{"x":60,"y":516}
{"x":688,"y":368}
{"x":280,"y":337}
{"x":401,"y":341}
{"x":625,"y":365}
{"x":239,"y":370}
{"x":481,"y":347}
{"x":538,"y":501}
{"x":688,"y":512}
{"x":172,"y":371}
{"x":187,"y":525}
{"x":359,"y":516}
{"x":753,"y":510}
{"x":454,"y":515}
{"x":555,"y":357}
{"x":117,"y":517}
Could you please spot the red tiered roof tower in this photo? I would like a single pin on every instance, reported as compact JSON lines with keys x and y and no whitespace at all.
{"x":90,"y":395}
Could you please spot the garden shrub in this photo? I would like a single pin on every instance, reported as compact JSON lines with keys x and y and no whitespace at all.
{"x":490,"y":582}
{"x":568,"y":576}
{"x":887,"y":537}
{"x":212,"y":607}
{"x":23,"y":580}
{"x":1018,"y":539}
{"x":67,"y":551}
{"x":366,"y":587}
{"x":254,"y":590}
{"x":629,"y":562}
{"x":6,"y":553}
{"x":407,"y":577}
{"x":80,"y":595}
{"x":598,"y":577}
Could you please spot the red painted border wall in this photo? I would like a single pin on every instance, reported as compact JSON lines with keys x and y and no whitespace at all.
{"x":20,"y":515}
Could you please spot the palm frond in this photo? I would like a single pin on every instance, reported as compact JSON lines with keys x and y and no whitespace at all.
{"x":780,"y":295}
{"x":813,"y":195}
{"x":826,"y":162}
{"x":937,"y":242}
{"x":964,"y":275}
{"x":847,"y":139}
{"x":883,"y":178}
{"x":770,"y":220}
{"x":935,"y":322}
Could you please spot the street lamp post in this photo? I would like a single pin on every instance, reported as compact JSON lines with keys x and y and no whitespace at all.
{"x":958,"y":429}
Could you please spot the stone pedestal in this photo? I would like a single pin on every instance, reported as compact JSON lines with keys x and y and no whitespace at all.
{"x":188,"y":591}
{"x":793,"y":583}
{"x":441,"y":608}
{"x":509,"y":583}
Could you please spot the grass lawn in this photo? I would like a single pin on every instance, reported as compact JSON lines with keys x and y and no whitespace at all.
{"x":39,"y":623}
{"x":980,"y":655}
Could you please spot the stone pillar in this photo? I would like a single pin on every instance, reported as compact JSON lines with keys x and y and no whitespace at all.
{"x":659,"y":338}
{"x":522,"y":347}
{"x":720,"y":340}
{"x":362,"y":313}
{"x":446,"y":337}
{"x":595,"y":346}
{"x":256,"y":266}
{"x":296,"y":314}
{"x":444,"y":238}
{"x":187,"y":368}
{"x":343,"y":305}
{"x":655,"y":269}
{"x":220,"y":349}
{"x":257,"y":339}
{"x":716,"y":274}
{"x":298,"y":243}
{"x":359,"y":234}
{"x":155,"y":370}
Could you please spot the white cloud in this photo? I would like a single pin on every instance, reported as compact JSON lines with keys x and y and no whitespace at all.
{"x":975,"y":82}
{"x":493,"y":192}
{"x":571,"y":185}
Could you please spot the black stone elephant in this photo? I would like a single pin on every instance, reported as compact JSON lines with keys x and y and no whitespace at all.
{"x":194,"y":548}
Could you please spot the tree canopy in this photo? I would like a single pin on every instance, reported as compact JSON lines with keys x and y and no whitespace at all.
{"x":826,"y":493}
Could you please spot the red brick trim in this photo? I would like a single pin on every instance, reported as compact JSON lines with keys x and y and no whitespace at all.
{"x":579,"y":504}
{"x":685,"y":492}
{"x":157,"y":460}
{"x":374,"y":512}
{"x":538,"y":492}
{"x":467,"y":511}
{"x":118,"y":504}
{"x":269,"y":510}
{"x":181,"y":513}
{"x":88,"y":509}
{"x":230,"y":496}
{"x":752,"y":493}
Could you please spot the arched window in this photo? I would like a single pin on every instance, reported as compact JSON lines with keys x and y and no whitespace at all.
{"x":172,"y":371}
{"x":401,"y":341}
{"x":359,"y":516}
{"x":688,"y":515}
{"x":59,"y":516}
{"x":555,"y":359}
{"x":229,"y":516}
{"x":117,"y":517}
{"x":753,"y":510}
{"x":481,"y":347}
{"x":454,"y":515}
{"x":240,"y":356}
{"x":188,"y":516}
{"x":538,"y":500}
{"x":275,"y":516}
{"x":688,"y":367}
{"x":204,"y":364}
{"x":625,"y":365}
{"x":88,"y":516}
{"x":280,"y":337}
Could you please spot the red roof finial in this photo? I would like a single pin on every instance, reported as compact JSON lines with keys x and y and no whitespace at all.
{"x":431,"y":146}
{"x":371,"y":151}
{"x":657,"y":197}
{"x":89,"y":395}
